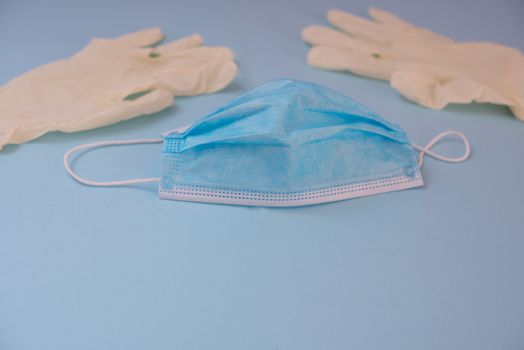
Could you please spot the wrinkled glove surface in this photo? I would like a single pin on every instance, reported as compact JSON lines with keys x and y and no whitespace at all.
{"x":108,"y":81}
{"x":425,"y":67}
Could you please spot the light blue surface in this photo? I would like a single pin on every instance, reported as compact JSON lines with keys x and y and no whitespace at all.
{"x":439,"y":267}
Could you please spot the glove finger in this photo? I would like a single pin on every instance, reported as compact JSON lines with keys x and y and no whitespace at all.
{"x":146,"y":37}
{"x":198,"y":71}
{"x":392,"y":21}
{"x":361,"y":28}
{"x":334,"y":58}
{"x":389,"y":19}
{"x":123,"y":109}
{"x":179,"y":45}
{"x":318,"y":35}
{"x":436,"y":88}
{"x":322,"y":36}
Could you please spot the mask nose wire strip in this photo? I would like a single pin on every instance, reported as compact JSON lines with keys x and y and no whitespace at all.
{"x":427,"y":149}
{"x":103,"y":144}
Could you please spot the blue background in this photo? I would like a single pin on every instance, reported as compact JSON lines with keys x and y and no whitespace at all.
{"x":439,"y":267}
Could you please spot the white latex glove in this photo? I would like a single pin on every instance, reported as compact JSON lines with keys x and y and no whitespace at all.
{"x":425,"y":67}
{"x":108,"y":81}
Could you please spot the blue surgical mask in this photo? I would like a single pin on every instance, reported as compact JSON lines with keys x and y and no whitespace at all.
{"x":285,"y":143}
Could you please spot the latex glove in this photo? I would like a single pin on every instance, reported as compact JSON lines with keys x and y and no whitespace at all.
{"x":425,"y":67}
{"x":108,"y":81}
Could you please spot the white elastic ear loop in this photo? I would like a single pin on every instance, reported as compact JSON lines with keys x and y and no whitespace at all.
{"x":102,"y":144}
{"x":427,"y":149}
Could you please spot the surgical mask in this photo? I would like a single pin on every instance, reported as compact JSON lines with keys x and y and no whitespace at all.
{"x":285,"y":143}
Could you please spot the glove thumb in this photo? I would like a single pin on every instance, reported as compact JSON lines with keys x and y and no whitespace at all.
{"x":436,"y":88}
{"x":118,"y":110}
{"x":14,"y":131}
{"x":518,"y":111}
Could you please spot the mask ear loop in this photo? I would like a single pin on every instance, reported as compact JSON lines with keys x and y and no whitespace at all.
{"x":427,"y":149}
{"x":103,"y":144}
